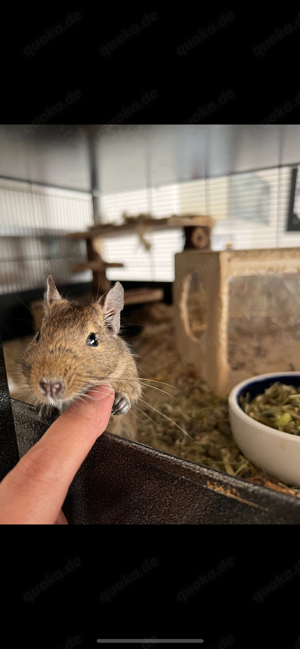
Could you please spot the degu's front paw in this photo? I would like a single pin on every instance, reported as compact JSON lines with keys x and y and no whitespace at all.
{"x":121,"y":404}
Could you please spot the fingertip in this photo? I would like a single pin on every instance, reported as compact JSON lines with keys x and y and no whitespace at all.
{"x":99,"y":392}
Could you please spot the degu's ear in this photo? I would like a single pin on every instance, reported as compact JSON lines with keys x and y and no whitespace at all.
{"x":112,"y":304}
{"x":52,"y":293}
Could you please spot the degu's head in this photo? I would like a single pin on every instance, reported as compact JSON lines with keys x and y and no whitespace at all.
{"x":76,"y":347}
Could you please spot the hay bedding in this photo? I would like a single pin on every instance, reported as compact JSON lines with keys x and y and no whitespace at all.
{"x":192,"y":406}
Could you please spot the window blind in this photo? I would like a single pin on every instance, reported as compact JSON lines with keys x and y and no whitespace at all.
{"x":250,"y":211}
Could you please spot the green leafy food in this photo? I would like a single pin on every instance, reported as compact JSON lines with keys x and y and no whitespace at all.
{"x":278,"y":407}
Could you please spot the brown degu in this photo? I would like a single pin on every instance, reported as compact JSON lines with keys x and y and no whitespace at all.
{"x":78,"y":347}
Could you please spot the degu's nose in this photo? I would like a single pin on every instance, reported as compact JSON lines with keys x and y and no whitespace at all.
{"x":52,"y":388}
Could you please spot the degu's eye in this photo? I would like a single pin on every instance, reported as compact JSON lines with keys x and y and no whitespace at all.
{"x":38,"y":335}
{"x":92,"y":340}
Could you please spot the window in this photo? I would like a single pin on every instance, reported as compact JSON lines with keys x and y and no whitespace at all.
{"x":250,"y":210}
{"x":293,"y":221}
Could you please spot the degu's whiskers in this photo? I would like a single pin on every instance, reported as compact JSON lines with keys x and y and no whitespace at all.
{"x":112,"y":378}
{"x":149,"y":386}
{"x":144,"y":413}
{"x":166,"y":417}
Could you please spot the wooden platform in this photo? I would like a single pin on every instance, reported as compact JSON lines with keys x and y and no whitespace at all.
{"x":95,"y":266}
{"x":143,"y":295}
{"x":169,"y":223}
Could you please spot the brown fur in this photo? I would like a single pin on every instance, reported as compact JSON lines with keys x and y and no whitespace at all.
{"x":61,"y":353}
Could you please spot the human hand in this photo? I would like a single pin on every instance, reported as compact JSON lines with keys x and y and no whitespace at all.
{"x":35,"y":489}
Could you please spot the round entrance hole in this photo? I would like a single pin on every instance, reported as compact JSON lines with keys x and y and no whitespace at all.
{"x":194,"y":306}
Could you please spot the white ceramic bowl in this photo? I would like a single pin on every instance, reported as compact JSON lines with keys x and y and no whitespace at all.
{"x":271,"y":450}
